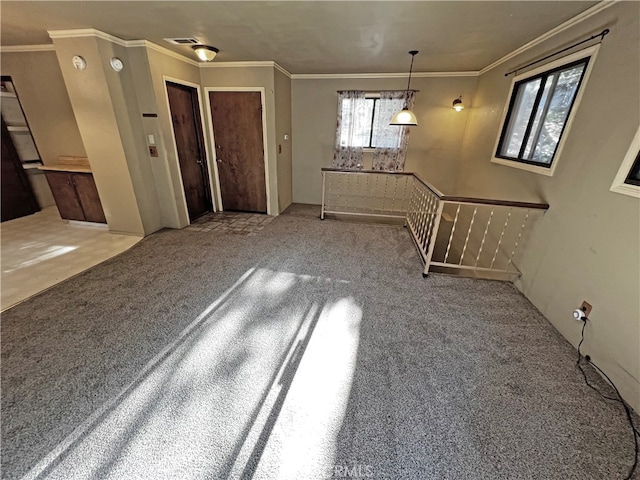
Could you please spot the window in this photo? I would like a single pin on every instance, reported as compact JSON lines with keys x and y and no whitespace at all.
{"x":370,"y":130}
{"x":627,"y":180}
{"x":542,"y":103}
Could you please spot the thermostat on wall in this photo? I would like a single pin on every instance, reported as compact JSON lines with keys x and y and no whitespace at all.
{"x":116,"y":64}
{"x":79,"y":63}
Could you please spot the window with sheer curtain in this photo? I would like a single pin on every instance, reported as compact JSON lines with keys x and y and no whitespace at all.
{"x":363,"y":124}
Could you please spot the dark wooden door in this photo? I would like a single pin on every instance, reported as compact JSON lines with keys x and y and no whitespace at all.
{"x":17,"y":199}
{"x":187,"y":128}
{"x":87,"y":193}
{"x":237,"y":127}
{"x":64,"y":193}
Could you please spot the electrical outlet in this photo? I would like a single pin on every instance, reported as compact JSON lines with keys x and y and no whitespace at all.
{"x":586,"y":308}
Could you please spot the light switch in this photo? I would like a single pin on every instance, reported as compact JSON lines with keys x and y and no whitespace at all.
{"x":152,"y":140}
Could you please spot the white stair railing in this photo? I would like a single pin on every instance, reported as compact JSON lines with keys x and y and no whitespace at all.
{"x":450,"y":233}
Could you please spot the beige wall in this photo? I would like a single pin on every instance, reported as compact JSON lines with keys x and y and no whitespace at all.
{"x":95,"y":111}
{"x":434,"y":145}
{"x":586,"y":246}
{"x":283,"y":127}
{"x":249,"y":77}
{"x":166,"y":168}
{"x":44,"y":99}
{"x":43,"y":96}
{"x":123,"y":87}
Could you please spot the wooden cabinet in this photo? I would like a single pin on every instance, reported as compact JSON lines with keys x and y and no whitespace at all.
{"x":76,"y":196}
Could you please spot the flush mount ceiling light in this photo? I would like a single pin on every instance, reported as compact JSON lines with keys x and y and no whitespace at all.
{"x":205,"y":53}
{"x":405,"y":116}
{"x":458,"y":106}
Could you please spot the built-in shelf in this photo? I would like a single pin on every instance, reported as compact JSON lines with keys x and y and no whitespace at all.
{"x":18,"y":128}
{"x":8,"y":94}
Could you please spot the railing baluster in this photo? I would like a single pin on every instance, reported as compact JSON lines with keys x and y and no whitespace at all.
{"x":466,"y":242}
{"x":515,"y":247}
{"x":504,"y":229}
{"x":324,"y":175}
{"x":384,"y":195}
{"x":434,"y":235}
{"x":453,"y":230}
{"x":425,"y":219}
{"x":395,"y":191}
{"x":404,"y":194}
{"x":484,"y":237}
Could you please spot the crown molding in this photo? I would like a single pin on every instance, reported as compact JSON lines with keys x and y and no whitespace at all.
{"x":281,"y":69}
{"x":329,"y":76}
{"x":267,"y":63}
{"x":603,"y":5}
{"x":163,"y":50}
{"x":47,"y":47}
{"x":86,"y":32}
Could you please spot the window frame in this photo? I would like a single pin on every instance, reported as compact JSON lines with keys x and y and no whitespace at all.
{"x":632,"y":156}
{"x":538,"y":167}
{"x":375,"y":96}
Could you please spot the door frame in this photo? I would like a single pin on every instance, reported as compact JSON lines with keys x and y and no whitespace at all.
{"x":214,"y":194}
{"x":265,"y":145}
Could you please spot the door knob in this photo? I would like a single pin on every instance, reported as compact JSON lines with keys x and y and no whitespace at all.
{"x":219,"y":160}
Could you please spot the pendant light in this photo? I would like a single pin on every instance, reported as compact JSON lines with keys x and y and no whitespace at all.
{"x":405,"y":116}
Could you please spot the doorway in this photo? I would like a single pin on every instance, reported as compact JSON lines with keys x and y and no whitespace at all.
{"x":237,"y":122}
{"x":192,"y":158}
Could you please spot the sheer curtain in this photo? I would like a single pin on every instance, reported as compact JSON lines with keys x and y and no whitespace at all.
{"x":351,"y":130}
{"x":391,"y":140}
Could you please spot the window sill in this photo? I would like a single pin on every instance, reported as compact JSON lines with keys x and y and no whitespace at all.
{"x":526,"y":166}
{"x":626,"y":189}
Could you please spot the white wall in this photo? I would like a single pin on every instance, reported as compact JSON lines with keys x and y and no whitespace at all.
{"x":587,"y":246}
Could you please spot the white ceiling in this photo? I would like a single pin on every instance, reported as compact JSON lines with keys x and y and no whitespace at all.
{"x":309,"y":36}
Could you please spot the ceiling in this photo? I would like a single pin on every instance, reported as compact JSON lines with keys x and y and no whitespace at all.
{"x":313,"y":37}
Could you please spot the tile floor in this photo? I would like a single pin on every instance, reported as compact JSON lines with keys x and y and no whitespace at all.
{"x":41,"y":250}
{"x":237,"y":223}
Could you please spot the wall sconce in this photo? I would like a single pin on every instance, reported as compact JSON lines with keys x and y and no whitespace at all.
{"x":205,"y":53}
{"x":458,"y":106}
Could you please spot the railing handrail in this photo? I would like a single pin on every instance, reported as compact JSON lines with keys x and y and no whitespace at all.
{"x":489,"y":201}
{"x":448,"y":198}
{"x":347,"y":170}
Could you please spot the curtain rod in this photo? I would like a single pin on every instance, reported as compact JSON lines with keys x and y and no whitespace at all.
{"x":376,"y":91}
{"x":592,"y":37}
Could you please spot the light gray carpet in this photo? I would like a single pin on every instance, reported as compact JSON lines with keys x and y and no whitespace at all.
{"x":312,"y":348}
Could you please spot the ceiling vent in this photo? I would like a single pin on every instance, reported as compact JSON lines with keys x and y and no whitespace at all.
{"x":182,"y":41}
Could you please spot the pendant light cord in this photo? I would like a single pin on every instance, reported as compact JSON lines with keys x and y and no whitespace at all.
{"x":413,"y":54}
